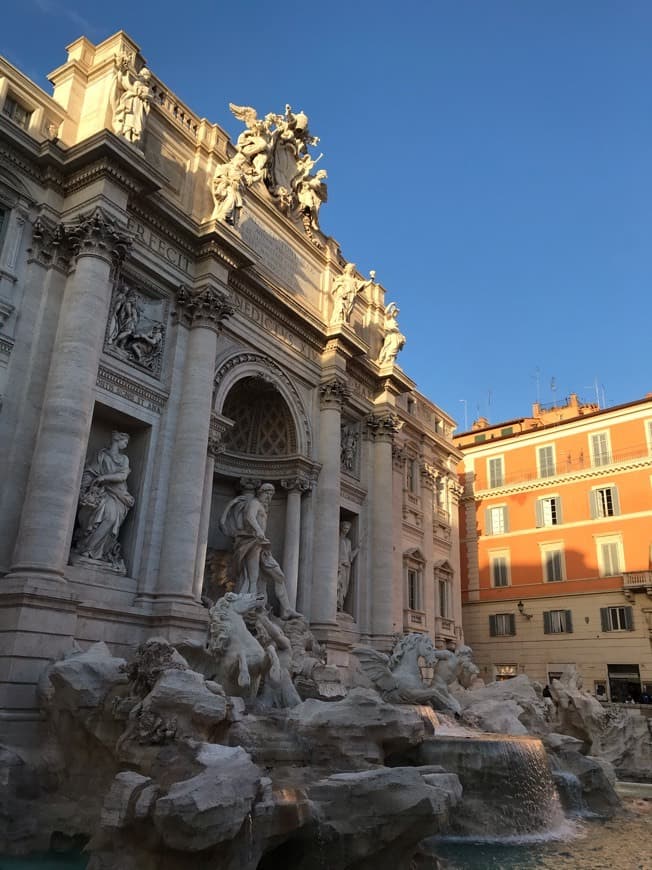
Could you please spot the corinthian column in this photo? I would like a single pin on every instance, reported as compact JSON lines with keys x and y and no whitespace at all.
{"x":383,"y":428}
{"x":203,"y":311}
{"x":295,"y":489}
{"x":43,"y":543}
{"x":323,"y":606}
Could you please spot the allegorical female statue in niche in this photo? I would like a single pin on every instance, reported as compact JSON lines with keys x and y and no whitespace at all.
{"x":104,"y":502}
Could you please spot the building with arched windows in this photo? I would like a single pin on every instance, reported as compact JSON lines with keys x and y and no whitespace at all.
{"x":176,"y":330}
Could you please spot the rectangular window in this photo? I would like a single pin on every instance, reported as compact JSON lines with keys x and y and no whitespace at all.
{"x":610,"y":558}
{"x":508,"y":430}
{"x":495,"y":472}
{"x":502,"y":624}
{"x":557,"y":622}
{"x":499,"y":566}
{"x":17,"y":112}
{"x":414,"y":589}
{"x":497,"y":520}
{"x":411,"y":475}
{"x":443,"y":598}
{"x":617,"y":618}
{"x":548,"y":511}
{"x":553,"y":564}
{"x":604,"y":502}
{"x":600,"y":450}
{"x":479,"y":438}
{"x":546,"y":460}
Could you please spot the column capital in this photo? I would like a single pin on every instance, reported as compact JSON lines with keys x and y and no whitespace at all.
{"x":399,"y":455}
{"x":216,"y":433}
{"x":301,"y":483}
{"x":98,"y":234}
{"x":208,"y":306}
{"x":383,"y":427}
{"x":429,"y":475}
{"x":49,"y":246}
{"x":334,"y":392}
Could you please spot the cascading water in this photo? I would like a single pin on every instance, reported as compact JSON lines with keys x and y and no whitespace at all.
{"x":508,"y":789}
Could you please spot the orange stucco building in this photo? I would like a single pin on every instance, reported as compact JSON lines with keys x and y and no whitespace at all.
{"x":555,"y":535}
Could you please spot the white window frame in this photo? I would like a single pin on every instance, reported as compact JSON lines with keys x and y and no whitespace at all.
{"x":412,"y":475}
{"x":546,"y":549}
{"x":494,"y":556}
{"x":604,"y":458}
{"x":501,"y":460}
{"x":599,"y":503}
{"x":648,"y":435}
{"x":502,"y":524}
{"x":625,"y":609}
{"x":554,"y":460}
{"x":558,"y":621}
{"x":610,"y":540}
{"x":539,"y":511}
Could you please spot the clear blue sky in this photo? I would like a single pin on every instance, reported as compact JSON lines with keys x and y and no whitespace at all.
{"x":491,"y":159}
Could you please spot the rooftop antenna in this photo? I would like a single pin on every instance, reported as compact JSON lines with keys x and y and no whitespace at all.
{"x":537,"y":377}
{"x":595,"y":386}
{"x":466,"y":416}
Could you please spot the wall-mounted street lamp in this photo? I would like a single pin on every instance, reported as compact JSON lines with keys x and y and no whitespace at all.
{"x":521,"y":610}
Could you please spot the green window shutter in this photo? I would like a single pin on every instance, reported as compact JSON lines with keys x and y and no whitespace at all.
{"x":506,"y":519}
{"x":629,"y":619}
{"x":492,"y":626}
{"x":604,"y":618}
{"x":546,"y":622}
{"x":487,"y":521}
{"x":512,"y":623}
{"x":538,"y":507}
{"x":569,"y":621}
{"x":615,"y":500}
{"x":558,"y":506}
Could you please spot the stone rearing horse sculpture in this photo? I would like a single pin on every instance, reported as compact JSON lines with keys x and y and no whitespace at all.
{"x":240,"y":660}
{"x":398,"y":677}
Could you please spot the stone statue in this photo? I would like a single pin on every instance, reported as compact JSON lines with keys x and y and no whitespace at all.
{"x":124,"y":318}
{"x":348,"y":448}
{"x":253,"y":143}
{"x":104,"y":502}
{"x":274,"y":150}
{"x":311,"y":193}
{"x":398,"y":677}
{"x":229,"y":181}
{"x":347,"y":556}
{"x":245,"y":520}
{"x":345,"y":289}
{"x":132,"y":105}
{"x":394,"y":340}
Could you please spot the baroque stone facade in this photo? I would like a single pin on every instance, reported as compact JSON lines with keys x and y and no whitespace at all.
{"x":176,"y":329}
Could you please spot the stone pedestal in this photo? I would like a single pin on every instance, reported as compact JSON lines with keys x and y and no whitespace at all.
{"x":48,"y":516}
{"x":203,"y":311}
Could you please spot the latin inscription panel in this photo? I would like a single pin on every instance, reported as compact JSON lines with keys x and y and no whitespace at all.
{"x":294,"y":273}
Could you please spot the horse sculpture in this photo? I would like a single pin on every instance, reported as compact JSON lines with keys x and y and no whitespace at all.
{"x":233,"y":657}
{"x":398,"y":677}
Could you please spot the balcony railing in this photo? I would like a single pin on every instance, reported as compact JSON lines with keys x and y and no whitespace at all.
{"x":572,"y":464}
{"x":414,"y":620}
{"x":637,"y":579}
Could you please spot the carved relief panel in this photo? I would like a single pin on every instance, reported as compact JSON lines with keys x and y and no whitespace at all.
{"x":350,"y":448}
{"x":136,"y":329}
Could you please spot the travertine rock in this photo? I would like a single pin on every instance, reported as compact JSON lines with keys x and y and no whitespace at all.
{"x":359,"y":731}
{"x":209,"y":808}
